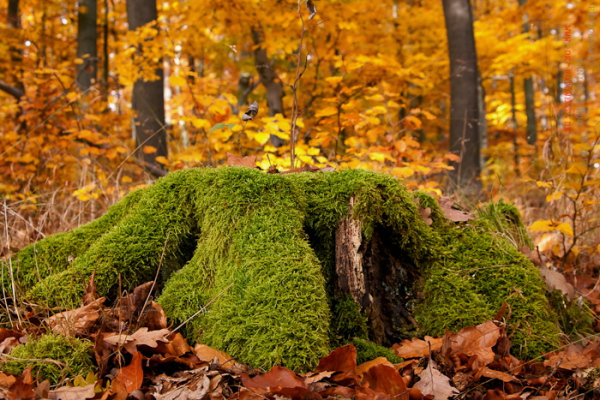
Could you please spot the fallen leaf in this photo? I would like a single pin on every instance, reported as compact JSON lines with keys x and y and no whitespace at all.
{"x":385,"y":379}
{"x":131,"y":305}
{"x":557,"y":281}
{"x":417,"y":348}
{"x":76,"y":322}
{"x":571,"y":358}
{"x":207,"y":353}
{"x":141,"y":337}
{"x":132,"y":375}
{"x":198,"y":390}
{"x":73,"y":393}
{"x":277,"y":377}
{"x":453,"y":214}
{"x":362,"y":368}
{"x":235,"y":161}
{"x":475,"y":342}
{"x":493,"y":374}
{"x":435,"y":383}
{"x":341,"y":359}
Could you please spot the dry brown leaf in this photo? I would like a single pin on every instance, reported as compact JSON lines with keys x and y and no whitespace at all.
{"x":73,"y":393}
{"x":362,"y":368}
{"x":131,"y":305}
{"x":90,"y":295}
{"x":235,"y":161}
{"x":474,"y":341}
{"x":140,"y":337}
{"x":435,"y":383}
{"x":341,"y":359}
{"x":198,"y":390}
{"x":417,"y":348}
{"x":76,"y":322}
{"x":453,"y":214}
{"x":385,"y":379}
{"x":154,"y":317}
{"x":132,"y":375}
{"x":571,"y":358}
{"x":491,"y":373}
{"x":206,"y":353}
{"x":557,"y":281}
{"x":277,"y":377}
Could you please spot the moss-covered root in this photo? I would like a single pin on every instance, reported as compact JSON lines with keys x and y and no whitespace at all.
{"x":253,"y":238}
{"x":52,"y":357}
{"x":54,"y":253}
{"x":157,"y":235}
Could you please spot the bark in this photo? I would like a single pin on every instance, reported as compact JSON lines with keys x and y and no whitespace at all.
{"x":268,"y":78}
{"x":87,"y":48}
{"x":483,"y":134}
{"x":464,"y":113}
{"x":374,"y":275}
{"x":148,"y":96}
{"x":14,"y":91}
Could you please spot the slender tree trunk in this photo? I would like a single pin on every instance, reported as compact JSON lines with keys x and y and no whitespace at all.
{"x":464,"y":113}
{"x":268,"y":78}
{"x":529,"y":97}
{"x":87,"y":48}
{"x":483,"y":138}
{"x":148,"y":96}
{"x":105,"y":53}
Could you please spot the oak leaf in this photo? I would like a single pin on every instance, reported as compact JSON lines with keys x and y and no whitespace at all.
{"x":417,"y":348}
{"x":76,"y":322}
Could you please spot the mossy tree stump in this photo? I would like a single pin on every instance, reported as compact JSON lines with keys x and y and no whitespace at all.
{"x":310,"y":260}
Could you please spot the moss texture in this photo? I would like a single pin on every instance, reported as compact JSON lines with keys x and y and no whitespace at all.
{"x":266,"y":242}
{"x":74,"y":356}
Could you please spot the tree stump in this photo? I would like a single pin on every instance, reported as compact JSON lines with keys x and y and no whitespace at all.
{"x":279,"y":253}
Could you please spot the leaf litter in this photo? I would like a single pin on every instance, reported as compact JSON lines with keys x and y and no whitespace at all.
{"x":141,"y":358}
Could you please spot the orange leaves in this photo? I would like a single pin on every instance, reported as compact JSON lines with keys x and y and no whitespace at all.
{"x":474,"y":342}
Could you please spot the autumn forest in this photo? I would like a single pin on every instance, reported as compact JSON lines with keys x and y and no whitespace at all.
{"x":477,"y":101}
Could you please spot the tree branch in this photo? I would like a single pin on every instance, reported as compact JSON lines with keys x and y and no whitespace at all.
{"x":12,"y":90}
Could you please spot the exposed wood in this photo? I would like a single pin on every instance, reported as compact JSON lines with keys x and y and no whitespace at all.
{"x":373,"y":273}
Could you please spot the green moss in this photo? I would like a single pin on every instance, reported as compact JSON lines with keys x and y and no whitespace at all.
{"x":505,"y":219}
{"x":347,"y":321}
{"x":52,"y":357}
{"x":262,"y":246}
{"x":367,"y":351}
{"x":478,"y":271}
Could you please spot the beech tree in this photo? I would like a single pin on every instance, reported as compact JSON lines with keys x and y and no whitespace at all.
{"x":148,"y":98}
{"x":464,"y":112}
{"x":87,"y":49}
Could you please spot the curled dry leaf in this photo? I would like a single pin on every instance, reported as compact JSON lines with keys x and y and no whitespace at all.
{"x":453,"y":214}
{"x":385,"y":379}
{"x":417,"y":348}
{"x":73,"y":393}
{"x":435,"y":383}
{"x":364,"y":367}
{"x":341,"y":359}
{"x":473,"y":341}
{"x":206,"y":353}
{"x":277,"y":377}
{"x":251,"y":112}
{"x":235,"y":161}
{"x":142,"y":337}
{"x":572,"y":358}
{"x":557,"y":281}
{"x":76,"y":322}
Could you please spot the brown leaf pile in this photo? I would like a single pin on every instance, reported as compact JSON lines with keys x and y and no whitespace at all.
{"x":138,"y":357}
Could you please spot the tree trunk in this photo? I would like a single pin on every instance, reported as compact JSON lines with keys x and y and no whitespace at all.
{"x":464,"y":114}
{"x":529,"y":97}
{"x":148,"y":96}
{"x":87,"y":48}
{"x":268,"y":78}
